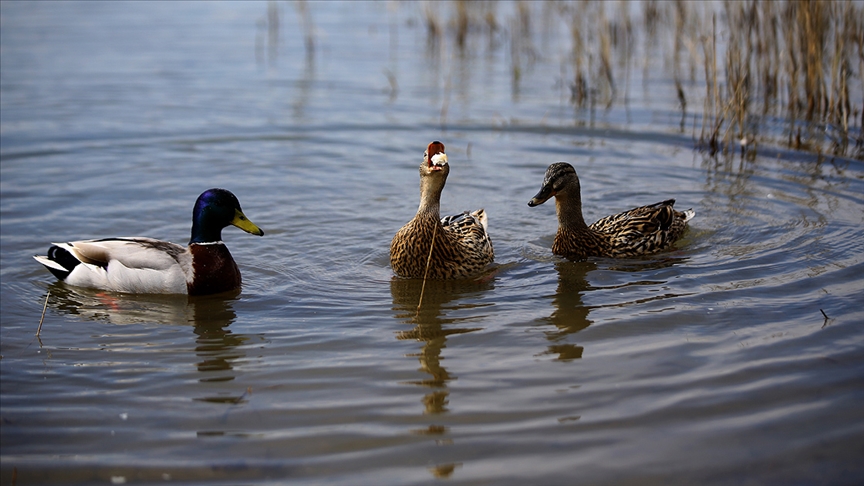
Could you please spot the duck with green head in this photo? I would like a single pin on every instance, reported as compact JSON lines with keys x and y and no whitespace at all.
{"x":147,"y":265}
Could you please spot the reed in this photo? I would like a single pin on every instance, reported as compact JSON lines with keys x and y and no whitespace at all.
{"x":771,"y":72}
{"x":41,"y":319}
{"x":308,"y":27}
{"x":801,"y":49}
{"x":596,"y":42}
{"x":426,"y":271}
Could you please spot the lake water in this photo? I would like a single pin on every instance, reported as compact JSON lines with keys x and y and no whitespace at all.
{"x":707,"y":364}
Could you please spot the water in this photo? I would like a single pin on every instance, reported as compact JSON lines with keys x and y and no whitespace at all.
{"x":711,"y":363}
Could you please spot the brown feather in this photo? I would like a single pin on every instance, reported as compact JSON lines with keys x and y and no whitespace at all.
{"x":213,"y":269}
{"x":639,"y":231}
{"x":462,"y":247}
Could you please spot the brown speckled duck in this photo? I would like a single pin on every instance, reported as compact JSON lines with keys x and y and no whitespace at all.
{"x":145,"y":265}
{"x":462,"y":247}
{"x":639,"y":231}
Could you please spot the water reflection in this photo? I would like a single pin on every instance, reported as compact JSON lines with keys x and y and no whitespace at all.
{"x":620,"y":278}
{"x":216,"y":347}
{"x":429,"y":326}
{"x":570,"y":315}
{"x":118,"y":309}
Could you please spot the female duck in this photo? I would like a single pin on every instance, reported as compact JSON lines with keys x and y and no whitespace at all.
{"x":460,"y":245}
{"x":146,"y":265}
{"x":639,"y":231}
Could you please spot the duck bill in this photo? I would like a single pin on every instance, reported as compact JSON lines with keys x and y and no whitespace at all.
{"x":541,"y":197}
{"x":241,"y":221}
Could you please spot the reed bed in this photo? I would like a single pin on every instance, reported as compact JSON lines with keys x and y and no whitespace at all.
{"x":786,"y":73}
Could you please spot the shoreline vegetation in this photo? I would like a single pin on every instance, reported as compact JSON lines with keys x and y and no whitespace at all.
{"x":745,"y":73}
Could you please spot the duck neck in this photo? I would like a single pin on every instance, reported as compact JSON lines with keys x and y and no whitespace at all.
{"x":205,"y":233}
{"x":430,"y":200}
{"x":569,"y":209}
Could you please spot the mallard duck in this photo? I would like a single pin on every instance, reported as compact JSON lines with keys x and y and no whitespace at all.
{"x":639,"y":231}
{"x":461,"y":248}
{"x":147,"y":265}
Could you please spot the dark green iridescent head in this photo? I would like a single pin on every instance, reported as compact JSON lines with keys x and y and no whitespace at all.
{"x":214,"y":210}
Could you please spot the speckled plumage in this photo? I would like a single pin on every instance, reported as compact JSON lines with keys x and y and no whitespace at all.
{"x":461,"y":248}
{"x":639,"y":231}
{"x":147,"y":265}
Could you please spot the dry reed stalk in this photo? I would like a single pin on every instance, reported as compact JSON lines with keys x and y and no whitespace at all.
{"x":579,"y":87}
{"x":434,"y":30}
{"x":606,"y":55}
{"x":801,"y":61}
{"x":243,"y":396}
{"x":39,"y":329}
{"x":680,"y":15}
{"x":426,"y":272}
{"x":515,"y":60}
{"x":308,"y":27}
{"x":628,"y":49}
{"x":461,"y":23}
{"x":768,"y":52}
{"x":712,"y":93}
{"x":492,"y":26}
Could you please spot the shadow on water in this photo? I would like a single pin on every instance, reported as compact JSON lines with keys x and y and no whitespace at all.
{"x":430,"y":327}
{"x":216,"y":347}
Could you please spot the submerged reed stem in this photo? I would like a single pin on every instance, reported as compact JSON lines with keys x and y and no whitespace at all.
{"x":39,"y":329}
{"x":426,"y":272}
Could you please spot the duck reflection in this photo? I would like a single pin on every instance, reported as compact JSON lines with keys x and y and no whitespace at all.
{"x":216,"y":347}
{"x":570,"y":315}
{"x":119,"y":309}
{"x":428,"y":327}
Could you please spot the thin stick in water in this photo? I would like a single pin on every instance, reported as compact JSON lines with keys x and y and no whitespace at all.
{"x":39,"y":330}
{"x":426,"y":273}
{"x":827,"y":319}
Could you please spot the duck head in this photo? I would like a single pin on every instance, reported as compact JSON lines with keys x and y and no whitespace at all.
{"x":434,"y":161}
{"x":214,"y":210}
{"x":560,"y":181}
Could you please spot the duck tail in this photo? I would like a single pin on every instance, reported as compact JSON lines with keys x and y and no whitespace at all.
{"x":59,"y":261}
{"x":689,"y":214}
{"x":480,"y":214}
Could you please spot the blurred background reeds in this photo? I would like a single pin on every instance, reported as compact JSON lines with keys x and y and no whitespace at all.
{"x":747,"y":72}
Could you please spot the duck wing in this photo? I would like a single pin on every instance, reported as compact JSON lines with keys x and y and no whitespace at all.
{"x":135,"y":252}
{"x":136,"y":264}
{"x":468,"y":226}
{"x":643,"y":230}
{"x":638,"y":222}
